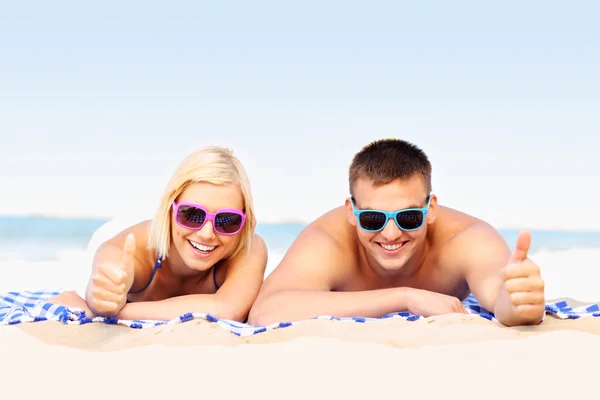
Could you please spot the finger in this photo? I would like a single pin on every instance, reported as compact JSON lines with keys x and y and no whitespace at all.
{"x":128,"y":252}
{"x":522,"y":270}
{"x":101,"y":293}
{"x":530,"y":311}
{"x":527,"y":298}
{"x":522,"y":247}
{"x":108,"y":308}
{"x":112,"y":273}
{"x":457,"y":307}
{"x":524,"y":285}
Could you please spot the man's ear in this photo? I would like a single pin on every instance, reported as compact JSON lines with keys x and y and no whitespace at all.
{"x":350,"y":212}
{"x":434,"y":208}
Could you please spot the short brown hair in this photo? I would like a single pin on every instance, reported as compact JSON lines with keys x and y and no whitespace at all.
{"x":386,"y":160}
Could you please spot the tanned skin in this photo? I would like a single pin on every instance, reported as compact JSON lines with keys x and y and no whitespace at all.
{"x":336,"y":268}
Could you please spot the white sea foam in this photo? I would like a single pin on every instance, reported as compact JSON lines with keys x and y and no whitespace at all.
{"x":571,"y":273}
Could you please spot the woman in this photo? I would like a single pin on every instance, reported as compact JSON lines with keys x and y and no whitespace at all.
{"x":198,"y":254}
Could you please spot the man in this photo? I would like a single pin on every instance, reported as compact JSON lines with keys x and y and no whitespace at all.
{"x":393,"y":248}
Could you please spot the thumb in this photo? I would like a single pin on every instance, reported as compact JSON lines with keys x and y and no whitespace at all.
{"x":128,"y":252}
{"x":522,"y":247}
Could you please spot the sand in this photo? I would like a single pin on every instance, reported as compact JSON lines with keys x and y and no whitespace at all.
{"x":454,"y":356}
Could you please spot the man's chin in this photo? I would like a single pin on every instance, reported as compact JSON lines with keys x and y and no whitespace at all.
{"x":391,"y":264}
{"x":392,"y":267}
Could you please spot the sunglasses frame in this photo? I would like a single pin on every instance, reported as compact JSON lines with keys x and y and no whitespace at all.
{"x":391,"y":215}
{"x":209,"y":216}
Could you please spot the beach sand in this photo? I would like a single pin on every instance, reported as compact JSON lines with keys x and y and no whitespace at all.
{"x":454,"y":356}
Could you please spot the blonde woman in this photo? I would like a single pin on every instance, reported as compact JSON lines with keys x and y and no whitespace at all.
{"x":198,"y":254}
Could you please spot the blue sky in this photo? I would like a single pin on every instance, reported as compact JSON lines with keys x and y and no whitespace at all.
{"x":98,"y":104}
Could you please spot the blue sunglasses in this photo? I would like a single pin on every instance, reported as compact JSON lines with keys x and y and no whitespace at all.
{"x":409,"y":219}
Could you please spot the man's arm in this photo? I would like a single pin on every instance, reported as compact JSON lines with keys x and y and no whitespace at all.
{"x":303,"y":286}
{"x":232,"y":301}
{"x":504,"y":282}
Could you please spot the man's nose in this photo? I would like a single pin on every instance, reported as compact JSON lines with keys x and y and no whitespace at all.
{"x":391,"y":232}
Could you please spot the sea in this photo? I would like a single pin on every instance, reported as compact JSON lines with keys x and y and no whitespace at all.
{"x":45,"y":253}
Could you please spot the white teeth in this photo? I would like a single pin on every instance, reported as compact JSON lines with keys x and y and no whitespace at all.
{"x":202,"y":247}
{"x":391,"y":247}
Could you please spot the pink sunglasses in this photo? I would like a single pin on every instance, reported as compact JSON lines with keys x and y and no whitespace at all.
{"x":226,"y":221}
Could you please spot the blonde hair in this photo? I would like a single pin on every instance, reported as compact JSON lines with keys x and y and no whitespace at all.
{"x":216,"y":165}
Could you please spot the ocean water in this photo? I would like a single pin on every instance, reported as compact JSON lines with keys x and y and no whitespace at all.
{"x":50,"y":253}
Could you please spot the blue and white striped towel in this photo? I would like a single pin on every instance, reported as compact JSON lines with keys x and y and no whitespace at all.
{"x":17,"y":307}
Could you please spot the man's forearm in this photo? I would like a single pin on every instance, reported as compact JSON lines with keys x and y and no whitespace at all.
{"x":295,"y":305}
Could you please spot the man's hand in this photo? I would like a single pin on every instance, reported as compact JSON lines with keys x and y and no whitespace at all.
{"x":523,"y":282}
{"x":111,"y":282}
{"x":426,"y":303}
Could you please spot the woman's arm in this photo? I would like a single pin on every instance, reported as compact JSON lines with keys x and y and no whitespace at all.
{"x":243,"y":280}
{"x":118,"y":265}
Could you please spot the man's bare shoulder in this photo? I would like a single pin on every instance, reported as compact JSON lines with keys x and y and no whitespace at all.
{"x":477,"y":234}
{"x":327,"y":235}
{"x":318,"y":257}
{"x":471,"y":239}
{"x":333,"y":226}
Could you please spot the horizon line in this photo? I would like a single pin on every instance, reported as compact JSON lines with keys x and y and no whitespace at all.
{"x":264,"y":222}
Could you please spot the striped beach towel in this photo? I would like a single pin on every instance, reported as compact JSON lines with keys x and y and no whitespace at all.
{"x":18,"y":307}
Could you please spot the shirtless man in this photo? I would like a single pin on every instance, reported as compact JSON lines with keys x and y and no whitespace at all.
{"x":392,"y":248}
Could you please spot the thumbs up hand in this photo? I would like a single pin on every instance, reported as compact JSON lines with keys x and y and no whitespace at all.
{"x":523,"y":282}
{"x":112,"y":281}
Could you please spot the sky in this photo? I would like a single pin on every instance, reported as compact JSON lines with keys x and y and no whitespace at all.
{"x":100,"y":102}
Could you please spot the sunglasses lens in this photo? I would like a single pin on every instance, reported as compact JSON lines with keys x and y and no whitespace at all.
{"x":410,"y":219}
{"x":372,"y":221}
{"x":228,"y":222}
{"x":191,"y":217}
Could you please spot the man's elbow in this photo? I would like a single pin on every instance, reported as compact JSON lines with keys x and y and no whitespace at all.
{"x":260,"y":314}
{"x":256,"y":316}
{"x":228,"y":311}
{"x":232,"y":313}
